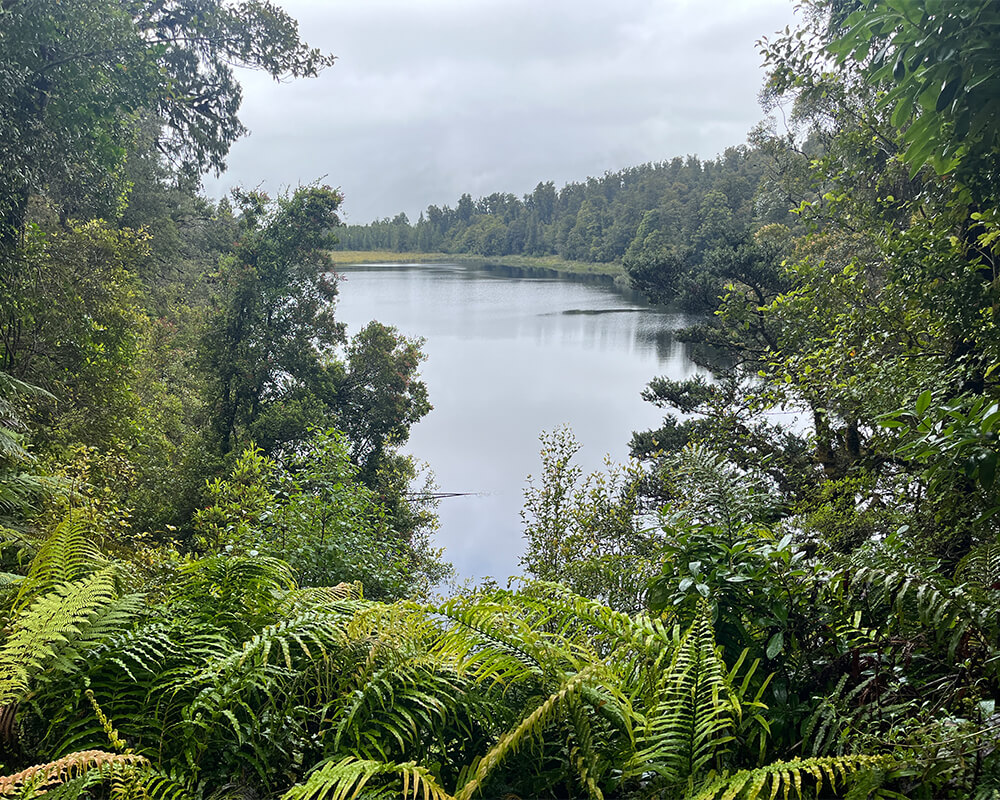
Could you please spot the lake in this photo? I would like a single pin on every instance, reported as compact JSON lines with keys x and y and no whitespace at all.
{"x":507,"y":358}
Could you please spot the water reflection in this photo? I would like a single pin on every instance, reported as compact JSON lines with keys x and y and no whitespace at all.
{"x":508,"y":357}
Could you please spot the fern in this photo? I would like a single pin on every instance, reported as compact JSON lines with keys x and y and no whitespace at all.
{"x":407,"y":699}
{"x":44,"y":776}
{"x":531,"y":726}
{"x":68,"y":554}
{"x":981,"y":567}
{"x":693,"y":713}
{"x":584,"y":757}
{"x":345,"y":780}
{"x":490,"y":641}
{"x":917,"y":594}
{"x":712,"y":490}
{"x":50,"y":632}
{"x":785,"y":778}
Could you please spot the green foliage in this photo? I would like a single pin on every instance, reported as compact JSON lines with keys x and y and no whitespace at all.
{"x":314,"y":512}
{"x":272,"y":329}
{"x":382,"y":396}
{"x":345,"y":780}
{"x":72,"y":329}
{"x":43,"y":778}
{"x":666,"y":223}
{"x":785,"y":777}
{"x":592,"y":535}
{"x":935,"y":58}
{"x":79,"y":78}
{"x":955,"y":440}
{"x":824,"y":601}
{"x":237,"y":672}
{"x":18,"y":488}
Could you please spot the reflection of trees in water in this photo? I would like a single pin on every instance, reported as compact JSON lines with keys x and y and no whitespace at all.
{"x":659,"y":338}
{"x":665,"y":335}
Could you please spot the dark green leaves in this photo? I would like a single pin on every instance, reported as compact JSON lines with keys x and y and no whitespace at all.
{"x":944,"y":65}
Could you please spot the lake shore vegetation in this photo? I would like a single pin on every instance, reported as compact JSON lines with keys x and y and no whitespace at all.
{"x":218,"y":580}
{"x":542,"y":265}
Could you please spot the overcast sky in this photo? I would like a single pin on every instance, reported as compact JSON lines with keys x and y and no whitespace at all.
{"x":432,"y":98}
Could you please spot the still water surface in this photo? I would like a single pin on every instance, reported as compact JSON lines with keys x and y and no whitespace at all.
{"x":507,"y":358}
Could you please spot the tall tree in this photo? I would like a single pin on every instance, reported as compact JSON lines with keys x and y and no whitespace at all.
{"x":77,"y":76}
{"x":269,"y":342}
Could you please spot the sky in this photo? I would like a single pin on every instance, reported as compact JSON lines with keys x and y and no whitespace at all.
{"x":429,"y":99}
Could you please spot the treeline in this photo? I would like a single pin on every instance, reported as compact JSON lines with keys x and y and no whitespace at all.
{"x":596,"y":220}
{"x":684,"y":207}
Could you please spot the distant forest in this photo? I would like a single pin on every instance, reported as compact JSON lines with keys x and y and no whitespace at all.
{"x":686,"y":214}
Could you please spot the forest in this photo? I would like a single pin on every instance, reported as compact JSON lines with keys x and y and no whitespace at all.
{"x":218,"y":580}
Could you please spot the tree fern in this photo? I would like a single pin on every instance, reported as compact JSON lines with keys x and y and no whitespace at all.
{"x":240,"y":591}
{"x":713,"y":490}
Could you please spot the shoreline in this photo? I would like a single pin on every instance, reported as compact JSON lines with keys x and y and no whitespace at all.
{"x":548,"y":266}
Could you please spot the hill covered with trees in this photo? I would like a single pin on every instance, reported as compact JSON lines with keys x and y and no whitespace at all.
{"x":216,"y":576}
{"x":666,"y":222}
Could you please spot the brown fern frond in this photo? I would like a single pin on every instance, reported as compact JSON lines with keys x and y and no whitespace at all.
{"x":45,"y":776}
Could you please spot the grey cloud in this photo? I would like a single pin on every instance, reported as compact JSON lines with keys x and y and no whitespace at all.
{"x":433,"y":98}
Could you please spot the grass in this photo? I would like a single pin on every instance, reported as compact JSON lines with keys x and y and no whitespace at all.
{"x":553,"y":264}
{"x":386,"y":257}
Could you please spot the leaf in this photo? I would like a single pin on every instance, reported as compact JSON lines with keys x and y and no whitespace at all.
{"x":902,"y":112}
{"x":987,"y":470}
{"x":947,"y":94}
{"x":899,"y":70}
{"x":923,"y":401}
{"x":775,"y":645}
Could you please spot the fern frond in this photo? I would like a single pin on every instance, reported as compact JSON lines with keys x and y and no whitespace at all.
{"x":583,"y":756}
{"x":490,"y":641}
{"x":654,"y":635}
{"x":409,"y":699}
{"x":68,"y":554}
{"x":46,"y":775}
{"x":981,"y":567}
{"x":346,"y":779}
{"x":153,"y":784}
{"x":512,"y":741}
{"x":785,"y":777}
{"x":52,"y":627}
{"x":920,"y":596}
{"x":347,"y":596}
{"x":236,"y":585}
{"x":693,"y":713}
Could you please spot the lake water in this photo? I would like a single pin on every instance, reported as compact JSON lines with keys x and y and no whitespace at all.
{"x":507,"y":358}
